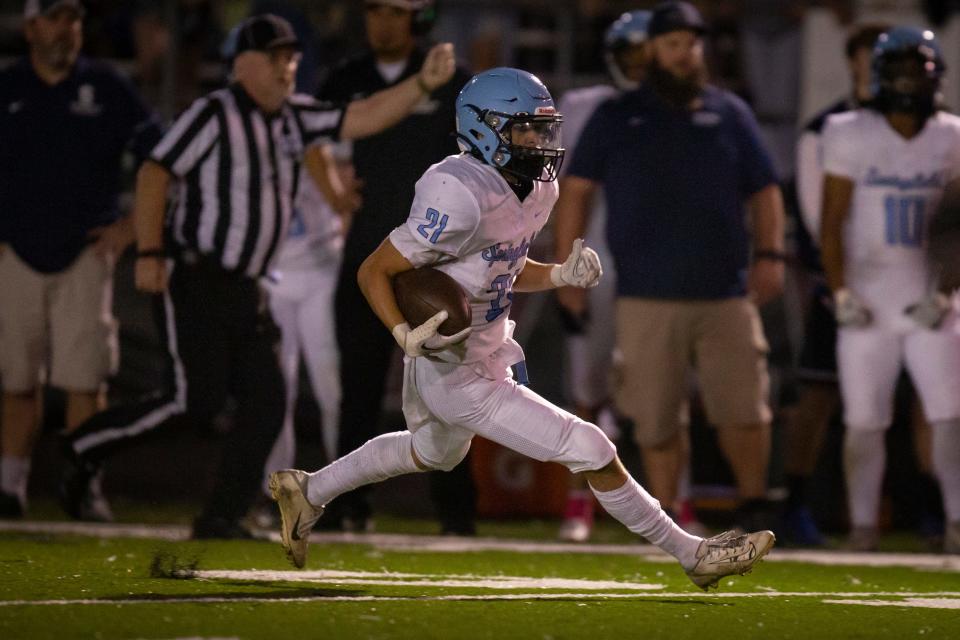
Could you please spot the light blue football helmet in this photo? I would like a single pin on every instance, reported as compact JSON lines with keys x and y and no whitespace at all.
{"x":628,"y":30}
{"x":507,"y":118}
{"x":906,"y":71}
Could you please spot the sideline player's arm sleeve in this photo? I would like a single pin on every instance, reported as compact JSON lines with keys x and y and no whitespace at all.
{"x":318,"y":121}
{"x":953,"y":163}
{"x":839,"y":155}
{"x":757,"y":169}
{"x":590,"y":159}
{"x":810,"y":181}
{"x":443,"y":218}
{"x":189,"y":139}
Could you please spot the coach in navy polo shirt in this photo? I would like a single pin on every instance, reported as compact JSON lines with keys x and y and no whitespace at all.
{"x":65,"y":123}
{"x":681,"y":163}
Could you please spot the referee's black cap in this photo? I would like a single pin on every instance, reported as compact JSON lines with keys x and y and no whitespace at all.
{"x":675,"y":16}
{"x":34,"y":8}
{"x":260,"y":33}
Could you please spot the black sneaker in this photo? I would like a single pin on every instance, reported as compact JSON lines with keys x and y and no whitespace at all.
{"x":10,"y":506}
{"x":207,"y":528}
{"x":76,"y":493}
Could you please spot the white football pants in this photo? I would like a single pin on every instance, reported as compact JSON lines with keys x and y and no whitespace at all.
{"x":302,"y":306}
{"x":445,"y":405}
{"x":870,"y":360}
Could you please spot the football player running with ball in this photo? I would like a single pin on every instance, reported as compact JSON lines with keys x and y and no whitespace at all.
{"x":474,"y":217}
{"x":887,"y":167}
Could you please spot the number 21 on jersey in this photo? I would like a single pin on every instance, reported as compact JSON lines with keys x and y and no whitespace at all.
{"x":437,"y":223}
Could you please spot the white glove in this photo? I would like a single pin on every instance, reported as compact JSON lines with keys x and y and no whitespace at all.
{"x":581,"y":268}
{"x":424,"y":339}
{"x":849,"y":310}
{"x":930,"y":311}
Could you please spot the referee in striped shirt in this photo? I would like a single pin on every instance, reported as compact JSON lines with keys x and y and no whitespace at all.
{"x":233,"y":158}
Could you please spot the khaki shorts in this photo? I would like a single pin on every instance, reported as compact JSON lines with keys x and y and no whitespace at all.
{"x":58,"y":323}
{"x":662,"y":339}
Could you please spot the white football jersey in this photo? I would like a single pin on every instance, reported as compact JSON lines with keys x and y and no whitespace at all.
{"x":577,"y":106}
{"x":898,"y":185}
{"x":314,"y":237}
{"x":467,"y":222}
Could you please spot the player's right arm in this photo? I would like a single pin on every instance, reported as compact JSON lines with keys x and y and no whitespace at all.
{"x":375,"y":278}
{"x":443,"y":217}
{"x":841,"y":166}
{"x":837,"y":196}
{"x":849,"y":310}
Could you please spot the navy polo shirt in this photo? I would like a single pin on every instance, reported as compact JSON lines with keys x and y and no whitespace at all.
{"x":60,"y":153}
{"x":676,"y":183}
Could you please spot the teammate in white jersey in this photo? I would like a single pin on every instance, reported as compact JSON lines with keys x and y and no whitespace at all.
{"x":301,"y":286}
{"x":886,"y":169}
{"x":589,"y":317}
{"x":474,"y":217}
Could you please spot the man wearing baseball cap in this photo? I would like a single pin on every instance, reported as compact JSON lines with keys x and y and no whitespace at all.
{"x":65,"y":123}
{"x":34,"y":8}
{"x":679,"y":161}
{"x":234,"y":156}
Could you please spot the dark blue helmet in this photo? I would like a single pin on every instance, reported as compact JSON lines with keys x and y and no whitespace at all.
{"x":907,"y":69}
{"x":627,"y":30}
{"x":506,"y":117}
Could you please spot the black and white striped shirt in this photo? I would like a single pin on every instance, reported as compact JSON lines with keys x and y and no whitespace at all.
{"x":238,"y":170}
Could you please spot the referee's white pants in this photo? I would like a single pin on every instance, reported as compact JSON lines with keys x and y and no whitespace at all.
{"x":445,"y":405}
{"x":302,"y":306}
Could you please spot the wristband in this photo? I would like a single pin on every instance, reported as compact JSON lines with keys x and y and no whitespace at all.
{"x":769,"y":254}
{"x":150,"y":253}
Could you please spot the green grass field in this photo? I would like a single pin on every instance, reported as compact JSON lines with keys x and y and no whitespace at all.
{"x":60,"y":585}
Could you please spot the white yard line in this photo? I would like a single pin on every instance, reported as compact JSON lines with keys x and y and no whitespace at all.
{"x":947,"y":596}
{"x":445,"y":544}
{"x":922,"y":603}
{"x":469,"y":581}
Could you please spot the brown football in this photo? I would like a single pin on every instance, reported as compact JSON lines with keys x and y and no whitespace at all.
{"x":423,"y":292}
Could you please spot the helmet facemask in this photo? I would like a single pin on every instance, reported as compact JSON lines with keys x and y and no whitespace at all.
{"x":529,"y":146}
{"x":908,"y":83}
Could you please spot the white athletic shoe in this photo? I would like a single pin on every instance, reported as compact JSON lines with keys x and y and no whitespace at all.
{"x":297,"y":515}
{"x":727,"y":554}
{"x":575,"y":530}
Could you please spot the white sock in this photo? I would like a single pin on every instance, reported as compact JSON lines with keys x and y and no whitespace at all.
{"x":864,"y":460}
{"x":14,"y":473}
{"x":641,"y":513}
{"x":946,"y":465}
{"x":383,"y":457}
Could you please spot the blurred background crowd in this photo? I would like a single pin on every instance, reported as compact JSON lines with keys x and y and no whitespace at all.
{"x":787,"y":59}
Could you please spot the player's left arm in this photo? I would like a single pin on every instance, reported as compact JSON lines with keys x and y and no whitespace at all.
{"x":581,"y":269}
{"x":765,"y":280}
{"x":535,"y":276}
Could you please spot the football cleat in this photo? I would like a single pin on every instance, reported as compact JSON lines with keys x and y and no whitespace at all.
{"x":10,"y":506}
{"x":575,"y":530}
{"x":863,"y":539}
{"x":297,"y":515}
{"x":800,"y":528}
{"x":728,"y":554}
